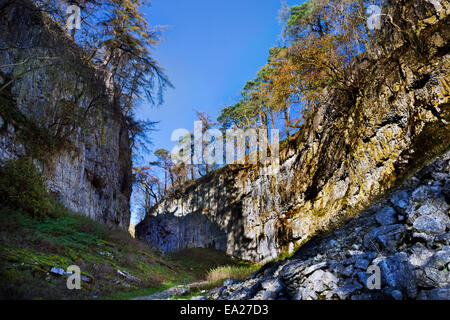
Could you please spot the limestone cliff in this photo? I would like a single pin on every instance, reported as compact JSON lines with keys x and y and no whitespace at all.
{"x":56,"y":108}
{"x":406,"y":235}
{"x":355,"y":147}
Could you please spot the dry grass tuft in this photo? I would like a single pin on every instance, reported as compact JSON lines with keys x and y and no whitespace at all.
{"x":231,"y":272}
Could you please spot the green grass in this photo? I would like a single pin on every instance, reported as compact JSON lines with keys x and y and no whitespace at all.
{"x":30,"y":247}
{"x":231,"y":272}
{"x":234,"y":269}
{"x":200,"y":261}
{"x":22,"y":186}
{"x":37,"y":234}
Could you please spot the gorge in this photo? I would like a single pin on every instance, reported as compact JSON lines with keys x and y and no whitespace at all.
{"x":364,"y":181}
{"x":353,"y":149}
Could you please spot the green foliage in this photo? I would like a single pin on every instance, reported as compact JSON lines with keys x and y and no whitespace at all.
{"x":162,"y":153}
{"x":116,"y":40}
{"x":139,"y":293}
{"x":116,"y":36}
{"x":253,"y":107}
{"x":297,"y":13}
{"x":322,"y":40}
{"x":69,"y":230}
{"x":22,"y":187}
{"x":38,"y":141}
{"x":30,"y":247}
{"x":230,"y":116}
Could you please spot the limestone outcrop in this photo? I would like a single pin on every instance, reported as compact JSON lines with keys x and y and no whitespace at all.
{"x":59,"y":110}
{"x":357,"y":145}
{"x":406,"y":235}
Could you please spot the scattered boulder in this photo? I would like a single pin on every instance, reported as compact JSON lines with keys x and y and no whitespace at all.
{"x":398,"y":273}
{"x":228,"y":282}
{"x":430,"y":224}
{"x":128,"y":276}
{"x":270,"y":289}
{"x":386,"y":216}
{"x":397,"y":294}
{"x":400,"y":200}
{"x":420,"y":255}
{"x":58,"y":271}
{"x":347,"y":288}
{"x":62,"y":272}
{"x":413,"y":254}
{"x":315,"y":267}
{"x":384,"y":237}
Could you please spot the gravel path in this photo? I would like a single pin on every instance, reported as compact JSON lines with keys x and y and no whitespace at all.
{"x":173,"y":291}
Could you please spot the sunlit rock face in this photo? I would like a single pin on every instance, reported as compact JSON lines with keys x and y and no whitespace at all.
{"x":406,"y":236}
{"x":353,"y":148}
{"x":91,"y":174}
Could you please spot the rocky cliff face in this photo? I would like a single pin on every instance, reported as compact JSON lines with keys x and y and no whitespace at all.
{"x":58,"y":110}
{"x":406,"y":235}
{"x":355,"y":147}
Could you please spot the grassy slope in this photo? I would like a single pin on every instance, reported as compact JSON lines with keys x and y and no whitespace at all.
{"x":30,"y":247}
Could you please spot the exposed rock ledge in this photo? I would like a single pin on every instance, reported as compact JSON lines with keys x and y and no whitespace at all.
{"x":407,"y":235}
{"x":93,"y":176}
{"x":352,"y":150}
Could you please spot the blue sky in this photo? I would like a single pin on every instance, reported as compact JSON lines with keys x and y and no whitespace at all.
{"x":210,"y":50}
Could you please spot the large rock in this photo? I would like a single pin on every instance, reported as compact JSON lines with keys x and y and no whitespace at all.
{"x":386,"y":216}
{"x":397,"y":273}
{"x":347,"y":288}
{"x":91,"y":173}
{"x":384,"y":237}
{"x":420,"y":255}
{"x":400,"y":199}
{"x":430,"y":224}
{"x":340,"y":265}
{"x":351,"y":149}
